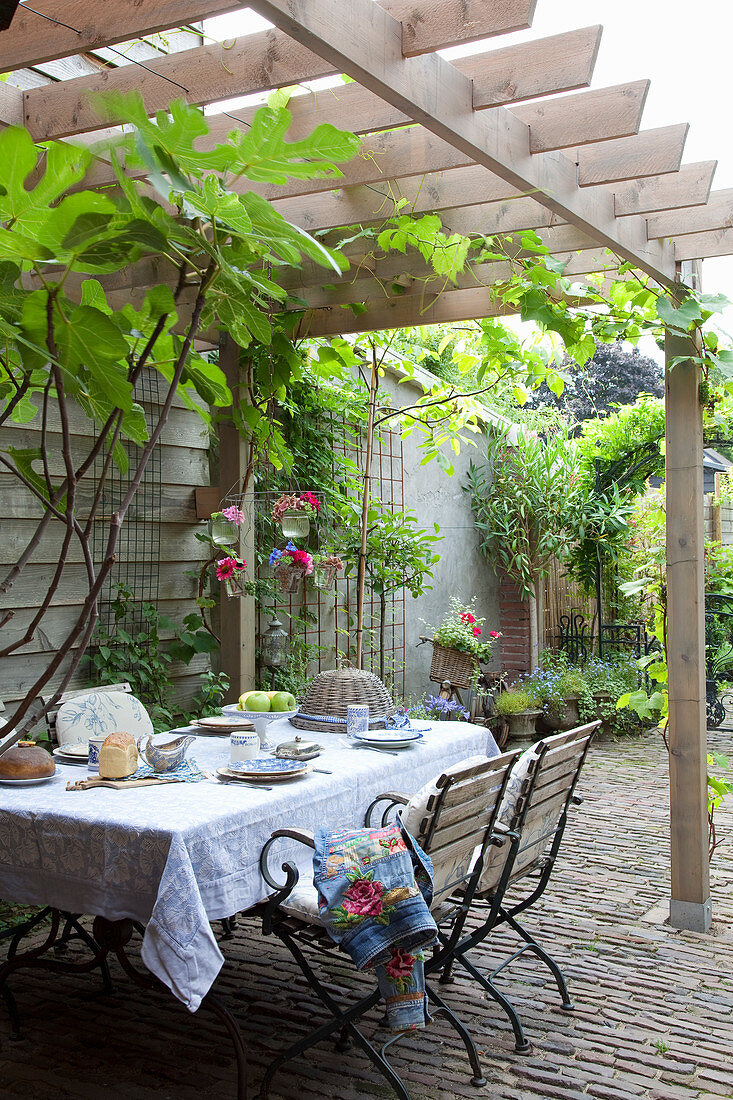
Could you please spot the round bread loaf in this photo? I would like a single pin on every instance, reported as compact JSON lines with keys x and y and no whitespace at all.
{"x":26,"y":761}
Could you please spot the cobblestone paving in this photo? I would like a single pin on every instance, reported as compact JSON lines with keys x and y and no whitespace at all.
{"x":653,"y":1006}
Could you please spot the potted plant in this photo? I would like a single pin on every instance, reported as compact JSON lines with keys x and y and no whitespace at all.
{"x":520,"y":708}
{"x":225,"y":526}
{"x":294,"y":513}
{"x":459,"y":644}
{"x":559,"y":690}
{"x":291,"y":566}
{"x":325,"y":568}
{"x":231,"y":571}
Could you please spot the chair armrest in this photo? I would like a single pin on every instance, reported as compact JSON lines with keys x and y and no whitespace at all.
{"x":577,"y":800}
{"x":394,"y":798}
{"x":300,"y":835}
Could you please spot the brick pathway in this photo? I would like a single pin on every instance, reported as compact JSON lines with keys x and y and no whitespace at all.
{"x":653,"y":1016}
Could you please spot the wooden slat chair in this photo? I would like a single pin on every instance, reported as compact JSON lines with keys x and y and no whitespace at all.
{"x":458,"y":812}
{"x":531,"y":823}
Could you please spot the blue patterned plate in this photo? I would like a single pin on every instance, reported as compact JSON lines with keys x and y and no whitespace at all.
{"x":389,"y":739}
{"x":267,"y":768}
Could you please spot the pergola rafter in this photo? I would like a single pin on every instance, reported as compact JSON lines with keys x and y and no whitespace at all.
{"x":480,"y":140}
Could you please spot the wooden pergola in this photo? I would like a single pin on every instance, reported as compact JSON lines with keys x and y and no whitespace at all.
{"x":489,"y":143}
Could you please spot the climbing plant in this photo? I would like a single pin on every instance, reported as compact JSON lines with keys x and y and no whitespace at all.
{"x":72,"y":352}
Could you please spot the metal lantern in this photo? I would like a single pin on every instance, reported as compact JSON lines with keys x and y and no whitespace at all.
{"x":274,"y":645}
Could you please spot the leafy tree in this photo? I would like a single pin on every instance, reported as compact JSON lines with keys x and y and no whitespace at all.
{"x":71,"y":349}
{"x":614,"y":376}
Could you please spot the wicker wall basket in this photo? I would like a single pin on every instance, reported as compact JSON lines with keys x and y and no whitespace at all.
{"x":453,"y":665}
{"x":330,"y":693}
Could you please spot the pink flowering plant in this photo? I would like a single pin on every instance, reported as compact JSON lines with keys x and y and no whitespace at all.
{"x":296,"y":502}
{"x":462,"y":629}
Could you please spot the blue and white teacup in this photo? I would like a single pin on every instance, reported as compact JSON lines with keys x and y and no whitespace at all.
{"x":243,"y":745}
{"x":95,"y":744}
{"x":357,"y":719}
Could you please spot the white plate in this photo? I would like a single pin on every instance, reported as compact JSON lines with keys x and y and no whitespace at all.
{"x":263,"y":777}
{"x":388,"y":739}
{"x":221,"y":723}
{"x":77,"y":748}
{"x":26,"y":782}
{"x":65,"y":758}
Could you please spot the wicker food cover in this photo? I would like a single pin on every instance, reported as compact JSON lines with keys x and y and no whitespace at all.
{"x":330,"y":693}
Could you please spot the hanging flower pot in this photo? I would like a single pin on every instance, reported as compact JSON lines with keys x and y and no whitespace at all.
{"x":232,"y":571}
{"x":225,"y":526}
{"x":325,"y":569}
{"x":290,"y":566}
{"x":295,"y":524}
{"x":294,"y":513}
{"x":288,"y":577}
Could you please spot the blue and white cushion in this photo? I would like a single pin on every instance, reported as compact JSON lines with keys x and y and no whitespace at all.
{"x":99,"y":713}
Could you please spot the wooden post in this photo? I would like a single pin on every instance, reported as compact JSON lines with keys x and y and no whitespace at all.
{"x":361,"y":583}
{"x":690,"y":905}
{"x":237,"y":620}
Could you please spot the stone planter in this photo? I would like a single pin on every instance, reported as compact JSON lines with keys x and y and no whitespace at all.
{"x":295,"y":524}
{"x":564,"y":718}
{"x":523,"y":726}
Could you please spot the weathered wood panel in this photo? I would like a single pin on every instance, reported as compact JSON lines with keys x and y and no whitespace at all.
{"x":184,"y":466}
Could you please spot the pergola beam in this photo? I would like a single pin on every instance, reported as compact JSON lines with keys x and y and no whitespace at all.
{"x":33,"y":39}
{"x":271,"y":59}
{"x":716,"y":214}
{"x":48,"y":32}
{"x":649,"y":153}
{"x":690,"y":186}
{"x":11,"y":105}
{"x":366,"y":43}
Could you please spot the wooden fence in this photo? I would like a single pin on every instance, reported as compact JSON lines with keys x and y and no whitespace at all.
{"x":183,"y":465}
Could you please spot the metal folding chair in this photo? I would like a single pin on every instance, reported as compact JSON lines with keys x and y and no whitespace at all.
{"x":531,"y":825}
{"x":458,"y":812}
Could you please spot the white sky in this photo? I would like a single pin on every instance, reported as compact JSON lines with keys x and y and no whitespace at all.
{"x":683,"y":47}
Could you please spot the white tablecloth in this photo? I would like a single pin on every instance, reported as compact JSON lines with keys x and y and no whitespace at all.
{"x":180,"y":856}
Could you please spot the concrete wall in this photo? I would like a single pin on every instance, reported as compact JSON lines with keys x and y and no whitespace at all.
{"x":463,"y":570}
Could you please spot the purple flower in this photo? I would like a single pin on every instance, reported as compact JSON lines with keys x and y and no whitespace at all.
{"x":275,"y":556}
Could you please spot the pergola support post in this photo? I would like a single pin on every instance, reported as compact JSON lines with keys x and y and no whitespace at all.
{"x":690,"y":905}
{"x":237,"y":618}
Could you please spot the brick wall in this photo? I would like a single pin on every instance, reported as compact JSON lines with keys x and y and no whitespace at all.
{"x":514,"y":626}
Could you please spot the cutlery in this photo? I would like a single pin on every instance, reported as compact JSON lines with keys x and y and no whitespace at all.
{"x":323,"y":771}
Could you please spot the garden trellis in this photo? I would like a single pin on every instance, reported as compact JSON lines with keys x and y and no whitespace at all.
{"x":456,"y":138}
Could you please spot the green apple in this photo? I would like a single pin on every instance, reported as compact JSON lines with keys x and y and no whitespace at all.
{"x":243,"y":698}
{"x":257,"y":701}
{"x":283,"y":700}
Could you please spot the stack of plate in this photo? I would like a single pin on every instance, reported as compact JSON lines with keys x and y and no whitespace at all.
{"x":77,"y":753}
{"x":264,"y":770}
{"x":389,"y":739}
{"x":223,"y":724}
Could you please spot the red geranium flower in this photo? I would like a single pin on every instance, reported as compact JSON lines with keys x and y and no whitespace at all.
{"x":493,"y":633}
{"x":476,"y":631}
{"x":226,"y":567}
{"x":467,"y":617}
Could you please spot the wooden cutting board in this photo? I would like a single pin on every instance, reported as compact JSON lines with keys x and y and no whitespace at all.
{"x":118,"y":784}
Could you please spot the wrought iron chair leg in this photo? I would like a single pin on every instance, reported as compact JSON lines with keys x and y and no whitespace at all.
{"x":478,"y":1078}
{"x":342,"y":1019}
{"x":521,"y":1043}
{"x":546,"y":958}
{"x":19,"y":933}
{"x":12,"y":1006}
{"x":63,"y":941}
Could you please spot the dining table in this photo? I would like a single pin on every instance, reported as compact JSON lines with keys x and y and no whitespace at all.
{"x":174,"y":858}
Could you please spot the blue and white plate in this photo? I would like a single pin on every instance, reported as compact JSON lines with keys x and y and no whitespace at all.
{"x":389,"y":739}
{"x":267,"y":768}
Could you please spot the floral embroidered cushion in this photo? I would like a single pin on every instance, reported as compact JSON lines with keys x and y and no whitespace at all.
{"x":98,"y":713}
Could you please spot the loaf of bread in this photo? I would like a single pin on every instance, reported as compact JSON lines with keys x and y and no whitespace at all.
{"x":118,"y":756}
{"x":26,"y":760}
